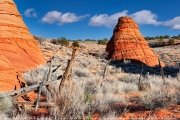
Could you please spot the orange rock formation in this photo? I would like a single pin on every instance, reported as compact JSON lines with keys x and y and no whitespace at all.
{"x":18,"y":49}
{"x":128,"y":43}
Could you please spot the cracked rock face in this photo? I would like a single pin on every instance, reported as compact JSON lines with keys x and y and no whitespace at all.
{"x":18,"y":49}
{"x":128,"y":43}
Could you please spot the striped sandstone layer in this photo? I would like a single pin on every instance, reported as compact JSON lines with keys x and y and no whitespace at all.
{"x":128,"y":43}
{"x":18,"y":49}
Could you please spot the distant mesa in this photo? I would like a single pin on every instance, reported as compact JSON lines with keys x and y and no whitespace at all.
{"x":18,"y":49}
{"x":128,"y":43}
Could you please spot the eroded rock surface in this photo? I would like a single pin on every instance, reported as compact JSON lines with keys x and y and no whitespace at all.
{"x":18,"y":49}
{"x":128,"y":43}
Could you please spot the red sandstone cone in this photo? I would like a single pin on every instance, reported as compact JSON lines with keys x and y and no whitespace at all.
{"x":128,"y":43}
{"x":18,"y":49}
{"x":16,"y":42}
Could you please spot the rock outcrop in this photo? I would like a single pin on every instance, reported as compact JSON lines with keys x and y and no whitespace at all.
{"x":18,"y":49}
{"x":128,"y":43}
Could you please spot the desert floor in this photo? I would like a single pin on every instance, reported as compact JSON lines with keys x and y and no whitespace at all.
{"x":115,"y":93}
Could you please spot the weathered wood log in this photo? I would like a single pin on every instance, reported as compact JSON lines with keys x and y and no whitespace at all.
{"x":68,"y":69}
{"x":41,"y":85}
{"x":26,"y":89}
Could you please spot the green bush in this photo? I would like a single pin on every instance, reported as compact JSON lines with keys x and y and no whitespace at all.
{"x":103,"y":42}
{"x":75,"y":44}
{"x":60,"y":41}
{"x":63,"y":42}
{"x":89,"y":40}
{"x":171,"y":41}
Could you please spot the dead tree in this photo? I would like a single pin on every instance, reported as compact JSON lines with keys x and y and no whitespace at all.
{"x":68,"y":69}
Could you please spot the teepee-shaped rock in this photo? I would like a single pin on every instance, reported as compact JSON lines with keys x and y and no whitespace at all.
{"x":18,"y":49}
{"x":128,"y":43}
{"x":16,"y":42}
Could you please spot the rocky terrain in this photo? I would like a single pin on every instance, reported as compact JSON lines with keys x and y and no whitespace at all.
{"x":119,"y":95}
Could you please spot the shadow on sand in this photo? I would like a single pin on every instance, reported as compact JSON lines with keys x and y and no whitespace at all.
{"x":136,"y":67}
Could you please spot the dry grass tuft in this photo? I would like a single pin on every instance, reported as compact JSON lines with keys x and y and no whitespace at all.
{"x":6,"y":105}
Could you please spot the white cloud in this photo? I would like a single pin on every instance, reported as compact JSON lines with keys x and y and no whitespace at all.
{"x":61,"y":18}
{"x":106,"y":20}
{"x":141,"y":17}
{"x":173,"y":23}
{"x":52,"y":17}
{"x":31,"y":12}
{"x":145,"y":17}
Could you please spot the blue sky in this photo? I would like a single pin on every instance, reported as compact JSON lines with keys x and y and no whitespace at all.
{"x":95,"y":19}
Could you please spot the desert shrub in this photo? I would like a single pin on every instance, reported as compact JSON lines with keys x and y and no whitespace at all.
{"x":63,"y":42}
{"x":158,"y":98}
{"x":81,"y":72}
{"x":102,"y":42}
{"x":130,"y":78}
{"x":160,"y":41}
{"x":161,"y":95}
{"x":171,"y":41}
{"x":60,"y":41}
{"x":75,"y":44}
{"x":70,"y":103}
{"x":89,"y":40}
{"x":37,"y":75}
{"x":129,"y":87}
{"x":81,"y":97}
